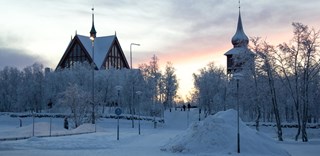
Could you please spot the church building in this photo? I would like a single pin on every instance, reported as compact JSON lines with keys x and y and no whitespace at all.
{"x":104,"y":52}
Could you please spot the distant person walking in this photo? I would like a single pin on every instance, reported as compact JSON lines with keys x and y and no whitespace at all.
{"x":66,"y":124}
{"x":189,"y":106}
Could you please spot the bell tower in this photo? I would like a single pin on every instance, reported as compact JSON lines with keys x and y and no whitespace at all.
{"x":237,"y":57}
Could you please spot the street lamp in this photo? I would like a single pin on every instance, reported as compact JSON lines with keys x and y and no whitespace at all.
{"x":136,"y":44}
{"x":49,"y":107}
{"x":139,"y":93}
{"x":92,"y":37}
{"x":199,"y":107}
{"x":132,"y":84}
{"x":32,"y":123}
{"x":154,"y":104}
{"x":238,"y":76}
{"x":118,"y":88}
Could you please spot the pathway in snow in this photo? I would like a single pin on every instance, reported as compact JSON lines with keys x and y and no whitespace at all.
{"x":311,"y":148}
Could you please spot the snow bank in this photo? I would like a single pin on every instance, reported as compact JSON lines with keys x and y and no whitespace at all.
{"x":218,"y":134}
{"x":86,"y":127}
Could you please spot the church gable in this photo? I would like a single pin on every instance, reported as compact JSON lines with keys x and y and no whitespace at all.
{"x":115,"y":57}
{"x":74,"y":53}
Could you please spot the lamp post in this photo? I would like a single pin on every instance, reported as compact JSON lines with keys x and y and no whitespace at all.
{"x":199,"y":107}
{"x":237,"y":77}
{"x":49,"y":107}
{"x":118,"y":88}
{"x":154,"y":104}
{"x":132,"y":82}
{"x":118,"y":110}
{"x":136,"y":44}
{"x":32,"y":123}
{"x":93,"y":103}
{"x":139,"y":93}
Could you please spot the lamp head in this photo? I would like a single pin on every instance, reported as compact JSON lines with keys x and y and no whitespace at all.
{"x":118,"y":88}
{"x":135,"y":44}
{"x":92,"y":38}
{"x":139,"y":92}
{"x":237,"y":76}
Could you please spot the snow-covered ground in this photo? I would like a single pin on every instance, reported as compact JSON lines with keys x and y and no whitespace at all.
{"x":216,"y":135}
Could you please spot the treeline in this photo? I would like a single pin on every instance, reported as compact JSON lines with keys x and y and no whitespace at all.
{"x":35,"y":89}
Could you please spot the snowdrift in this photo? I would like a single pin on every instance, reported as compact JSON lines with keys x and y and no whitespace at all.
{"x":218,"y":134}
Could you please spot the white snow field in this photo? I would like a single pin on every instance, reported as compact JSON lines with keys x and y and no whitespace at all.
{"x":181,"y":134}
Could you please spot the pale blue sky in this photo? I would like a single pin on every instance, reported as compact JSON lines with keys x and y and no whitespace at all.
{"x":189,"y":33}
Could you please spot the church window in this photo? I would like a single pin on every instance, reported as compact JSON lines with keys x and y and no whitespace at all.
{"x":76,"y":54}
{"x":114,"y":59}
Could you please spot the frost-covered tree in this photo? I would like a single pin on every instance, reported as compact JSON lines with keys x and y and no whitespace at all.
{"x":77,"y":100}
{"x":31,"y":90}
{"x":10,"y":81}
{"x":300,"y":66}
{"x":265,"y":52}
{"x":170,"y":85}
{"x":152,"y":76}
{"x":210,"y":85}
{"x":104,"y":89}
{"x":57,"y":82}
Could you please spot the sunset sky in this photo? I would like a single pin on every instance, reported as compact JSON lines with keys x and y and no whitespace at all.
{"x":188,"y":33}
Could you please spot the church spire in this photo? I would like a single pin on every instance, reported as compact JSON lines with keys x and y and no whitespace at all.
{"x":240,"y":39}
{"x":93,"y":30}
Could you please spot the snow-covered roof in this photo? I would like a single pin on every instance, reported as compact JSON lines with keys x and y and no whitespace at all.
{"x":237,"y":50}
{"x":101,"y":47}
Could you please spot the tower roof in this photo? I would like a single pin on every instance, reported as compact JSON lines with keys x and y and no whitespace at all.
{"x":240,"y":39}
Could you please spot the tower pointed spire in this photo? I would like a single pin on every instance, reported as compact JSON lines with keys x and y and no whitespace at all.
{"x":239,"y":57}
{"x":93,"y":32}
{"x":240,"y":39}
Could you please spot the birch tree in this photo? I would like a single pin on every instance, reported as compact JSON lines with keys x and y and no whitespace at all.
{"x":77,"y":100}
{"x":209,"y":84}
{"x":171,"y":85}
{"x":152,"y":76}
{"x":298,"y":60}
{"x":265,"y":52}
{"x":10,"y":81}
